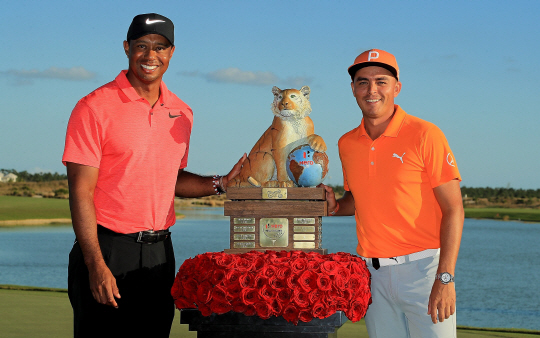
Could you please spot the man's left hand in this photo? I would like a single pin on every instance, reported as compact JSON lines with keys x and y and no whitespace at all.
{"x":442,"y":301}
{"x":234,"y":171}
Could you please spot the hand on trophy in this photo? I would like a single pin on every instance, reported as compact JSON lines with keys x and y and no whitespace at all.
{"x":234,"y":171}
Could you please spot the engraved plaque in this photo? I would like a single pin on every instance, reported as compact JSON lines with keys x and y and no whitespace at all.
{"x":304,"y":221}
{"x":244,"y":220}
{"x":244,"y":245}
{"x":244,"y":237}
{"x":274,"y":193}
{"x":304,"y":237}
{"x":274,"y":232}
{"x":306,"y":228}
{"x":246,"y":228}
{"x":304,"y":245}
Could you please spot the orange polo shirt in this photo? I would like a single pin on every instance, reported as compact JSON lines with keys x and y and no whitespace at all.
{"x":392,"y":180}
{"x":138,"y":150}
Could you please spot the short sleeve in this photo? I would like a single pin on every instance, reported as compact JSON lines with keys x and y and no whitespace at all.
{"x":439,"y":160}
{"x":83,"y":141}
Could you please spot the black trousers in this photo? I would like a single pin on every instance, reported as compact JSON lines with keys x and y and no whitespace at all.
{"x":144,"y":275}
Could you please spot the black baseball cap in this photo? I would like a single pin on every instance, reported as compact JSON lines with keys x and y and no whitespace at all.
{"x":151,"y":23}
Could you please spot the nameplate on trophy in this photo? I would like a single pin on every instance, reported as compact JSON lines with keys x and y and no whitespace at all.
{"x":274,"y":193}
{"x":304,"y":245}
{"x":305,"y":228}
{"x":304,"y":220}
{"x":304,"y":237}
{"x":244,"y":220}
{"x":244,"y":228}
{"x":274,"y":232}
{"x":244,"y":245}
{"x":244,"y":237}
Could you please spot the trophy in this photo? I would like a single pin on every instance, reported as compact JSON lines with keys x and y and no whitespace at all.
{"x":274,"y":204}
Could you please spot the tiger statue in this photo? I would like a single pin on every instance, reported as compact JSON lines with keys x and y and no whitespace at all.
{"x":266,"y":163}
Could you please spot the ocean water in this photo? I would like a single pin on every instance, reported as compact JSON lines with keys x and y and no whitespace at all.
{"x":496,"y":276}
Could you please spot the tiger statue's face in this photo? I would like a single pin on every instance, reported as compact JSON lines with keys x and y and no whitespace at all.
{"x":291,"y":104}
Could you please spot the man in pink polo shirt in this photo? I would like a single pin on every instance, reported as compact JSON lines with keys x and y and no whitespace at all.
{"x":126,"y":149}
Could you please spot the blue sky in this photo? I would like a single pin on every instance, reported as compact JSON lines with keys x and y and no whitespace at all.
{"x":471,"y":67}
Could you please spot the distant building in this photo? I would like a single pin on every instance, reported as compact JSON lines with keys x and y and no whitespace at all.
{"x":8,"y":178}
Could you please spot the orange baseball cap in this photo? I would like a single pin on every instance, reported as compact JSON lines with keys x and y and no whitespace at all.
{"x":375,"y":57}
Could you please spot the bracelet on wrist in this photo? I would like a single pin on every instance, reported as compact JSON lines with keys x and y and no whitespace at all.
{"x":333,"y":213}
{"x":217,"y":184}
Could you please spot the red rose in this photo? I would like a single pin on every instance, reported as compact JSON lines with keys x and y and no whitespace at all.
{"x":292,"y":282}
{"x":190,"y":285}
{"x":319,"y":310}
{"x":183,"y":303}
{"x":258,"y":264}
{"x":217,"y":276}
{"x":298,"y":265}
{"x":276,"y":283}
{"x":247,"y":280}
{"x":232,"y":276}
{"x":249,"y":296}
{"x":329,"y":267}
{"x":290,"y":313}
{"x":355,"y":283}
{"x":220,"y":307}
{"x":339,"y":282}
{"x":324,"y":282}
{"x":233,"y":291}
{"x":260,"y":280}
{"x":204,"y":292}
{"x":314,"y":266}
{"x":238,"y":306}
{"x":315,"y":296}
{"x":244,"y":264}
{"x":283,"y":272}
{"x":277,"y":307}
{"x":267,"y":293}
{"x":223,"y":260}
{"x":356,"y":311}
{"x":176,"y":289}
{"x":219,"y":293}
{"x":301,"y":298}
{"x":284,"y":295}
{"x":205,"y":310}
{"x":268,"y":271}
{"x":264,"y":310}
{"x":308,"y":280}
{"x":305,"y":315}
{"x":250,"y":310}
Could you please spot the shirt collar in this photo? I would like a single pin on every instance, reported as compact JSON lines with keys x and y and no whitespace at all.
{"x":393,"y":128}
{"x":126,"y":87}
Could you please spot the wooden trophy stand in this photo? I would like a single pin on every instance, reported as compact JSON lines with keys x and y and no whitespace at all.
{"x":276,"y":219}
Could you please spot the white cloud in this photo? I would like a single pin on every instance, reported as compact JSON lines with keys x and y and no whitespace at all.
{"x":71,"y":74}
{"x":238,"y":76}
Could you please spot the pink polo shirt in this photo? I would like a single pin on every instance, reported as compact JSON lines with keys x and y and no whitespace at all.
{"x":138,"y":150}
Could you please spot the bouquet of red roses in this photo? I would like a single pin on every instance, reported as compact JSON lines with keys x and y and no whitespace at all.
{"x":292,"y":284}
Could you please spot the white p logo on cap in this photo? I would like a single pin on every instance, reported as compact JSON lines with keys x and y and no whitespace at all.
{"x":373,"y":55}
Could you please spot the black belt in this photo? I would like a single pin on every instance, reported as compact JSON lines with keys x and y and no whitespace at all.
{"x":146,"y":237}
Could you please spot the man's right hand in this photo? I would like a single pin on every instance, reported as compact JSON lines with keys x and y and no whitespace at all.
{"x":103,"y":285}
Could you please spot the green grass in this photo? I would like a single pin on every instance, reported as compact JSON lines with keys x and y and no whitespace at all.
{"x":35,"y":312}
{"x":17,"y":208}
{"x":527,"y":215}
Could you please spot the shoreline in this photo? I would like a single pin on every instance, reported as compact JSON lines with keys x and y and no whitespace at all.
{"x":45,"y":221}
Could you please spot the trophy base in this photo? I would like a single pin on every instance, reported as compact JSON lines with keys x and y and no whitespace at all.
{"x":276,"y":219}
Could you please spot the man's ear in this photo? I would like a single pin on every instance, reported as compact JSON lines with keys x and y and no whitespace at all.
{"x":397,"y":89}
{"x":126,"y":48}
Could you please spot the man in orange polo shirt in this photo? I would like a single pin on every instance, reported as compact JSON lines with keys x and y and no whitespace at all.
{"x":126,"y":149}
{"x":402,"y":184}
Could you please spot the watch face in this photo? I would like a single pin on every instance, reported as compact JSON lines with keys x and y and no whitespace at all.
{"x":445,"y":277}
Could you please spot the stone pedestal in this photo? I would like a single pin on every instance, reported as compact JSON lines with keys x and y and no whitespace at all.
{"x":237,"y":325}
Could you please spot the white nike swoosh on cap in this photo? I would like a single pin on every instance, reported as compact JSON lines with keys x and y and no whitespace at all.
{"x":149,"y":22}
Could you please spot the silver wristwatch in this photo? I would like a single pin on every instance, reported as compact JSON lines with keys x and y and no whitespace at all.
{"x":445,"y":277}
